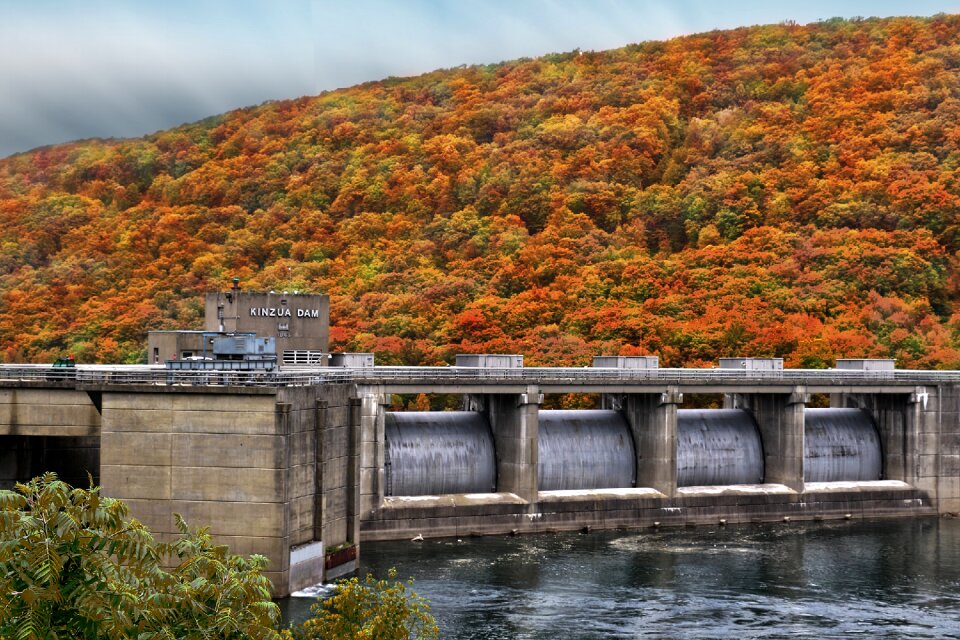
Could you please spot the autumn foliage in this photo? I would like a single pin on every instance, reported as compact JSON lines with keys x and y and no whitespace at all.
{"x":782,"y":190}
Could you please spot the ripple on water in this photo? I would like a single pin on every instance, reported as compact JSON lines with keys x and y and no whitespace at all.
{"x":663,"y":544}
{"x":889,"y":579}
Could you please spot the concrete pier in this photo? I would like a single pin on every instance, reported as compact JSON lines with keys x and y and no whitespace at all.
{"x":780,"y":418}
{"x":653,"y":423}
{"x":513,"y":419}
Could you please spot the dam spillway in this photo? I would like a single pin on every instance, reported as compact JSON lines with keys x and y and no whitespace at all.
{"x":718,"y":447}
{"x":840,"y":445}
{"x":437,"y":452}
{"x":584,"y":449}
{"x":447,"y":452}
{"x":442,"y":452}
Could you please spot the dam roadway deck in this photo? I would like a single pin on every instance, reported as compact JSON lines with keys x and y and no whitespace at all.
{"x":295,"y":463}
{"x":474,"y":380}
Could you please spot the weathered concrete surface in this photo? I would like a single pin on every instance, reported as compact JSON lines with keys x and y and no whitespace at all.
{"x":780,"y":420}
{"x":276,"y":470}
{"x":653,"y":422}
{"x":513,"y":420}
{"x":443,"y":516}
{"x":371,"y":410}
{"x":322,"y":460}
{"x":891,"y":416}
{"x":270,"y":473}
{"x":920,"y":438}
{"x":47,"y":412}
{"x":933,"y":424}
{"x":220,"y":460}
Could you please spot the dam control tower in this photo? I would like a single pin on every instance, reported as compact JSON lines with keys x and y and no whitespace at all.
{"x":300,"y":323}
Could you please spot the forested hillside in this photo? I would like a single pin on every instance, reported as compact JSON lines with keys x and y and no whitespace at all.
{"x":772,"y":191}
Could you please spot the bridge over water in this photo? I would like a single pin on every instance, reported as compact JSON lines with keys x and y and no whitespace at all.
{"x":302,"y":464}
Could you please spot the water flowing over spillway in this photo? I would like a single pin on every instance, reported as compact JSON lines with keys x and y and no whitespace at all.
{"x":840,"y":445}
{"x":443,"y":452}
{"x":438,"y":452}
{"x":716,"y":447}
{"x":588,"y":449}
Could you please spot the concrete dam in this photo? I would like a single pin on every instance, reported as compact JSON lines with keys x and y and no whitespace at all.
{"x":303,"y":464}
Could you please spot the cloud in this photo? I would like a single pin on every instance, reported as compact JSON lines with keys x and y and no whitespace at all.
{"x":114,"y":68}
{"x":113,"y":71}
{"x":372,"y":39}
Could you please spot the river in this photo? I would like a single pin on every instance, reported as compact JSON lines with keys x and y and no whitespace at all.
{"x":872,"y":579}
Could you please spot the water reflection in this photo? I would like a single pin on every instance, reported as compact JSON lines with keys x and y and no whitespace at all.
{"x":885,"y":579}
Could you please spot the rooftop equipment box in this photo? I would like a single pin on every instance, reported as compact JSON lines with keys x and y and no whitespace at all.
{"x":626,"y":362}
{"x":244,"y":345}
{"x":351,"y":360}
{"x":490,"y":360}
{"x":752,"y":364}
{"x":866,"y":364}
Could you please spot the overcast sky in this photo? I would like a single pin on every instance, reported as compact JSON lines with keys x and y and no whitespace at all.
{"x":74,"y":69}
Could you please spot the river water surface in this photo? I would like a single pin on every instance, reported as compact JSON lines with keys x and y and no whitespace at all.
{"x":871,"y":579}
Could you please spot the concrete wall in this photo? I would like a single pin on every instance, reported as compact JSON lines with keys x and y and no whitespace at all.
{"x":933,"y":419}
{"x":270,"y":471}
{"x":173,"y":345}
{"x":48,"y":429}
{"x":920,"y":438}
{"x":653,"y":421}
{"x":369,"y":418}
{"x":920,"y":435}
{"x":637,"y":509}
{"x":48,"y":411}
{"x":219,"y":459}
{"x":276,"y":471}
{"x":322,"y":459}
{"x":338,"y":456}
{"x":894,"y":418}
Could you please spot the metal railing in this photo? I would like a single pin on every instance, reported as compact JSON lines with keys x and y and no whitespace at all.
{"x":86,"y":375}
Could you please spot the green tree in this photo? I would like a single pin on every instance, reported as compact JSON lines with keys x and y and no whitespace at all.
{"x":73,"y":565}
{"x":386,"y":609}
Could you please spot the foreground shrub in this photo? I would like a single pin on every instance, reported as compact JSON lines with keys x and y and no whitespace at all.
{"x":73,"y":565}
{"x":385,"y":609}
